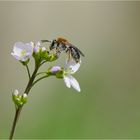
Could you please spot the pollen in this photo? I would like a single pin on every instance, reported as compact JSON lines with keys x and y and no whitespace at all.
{"x":23,"y":53}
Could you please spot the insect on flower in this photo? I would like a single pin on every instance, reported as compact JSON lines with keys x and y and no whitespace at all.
{"x":61,"y":44}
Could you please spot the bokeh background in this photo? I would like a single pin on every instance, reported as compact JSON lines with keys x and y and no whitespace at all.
{"x":109,"y":35}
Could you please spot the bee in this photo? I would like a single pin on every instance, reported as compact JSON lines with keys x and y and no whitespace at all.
{"x":61,"y":44}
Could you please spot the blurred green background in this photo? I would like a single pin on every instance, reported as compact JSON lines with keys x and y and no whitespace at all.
{"x":109,"y":35}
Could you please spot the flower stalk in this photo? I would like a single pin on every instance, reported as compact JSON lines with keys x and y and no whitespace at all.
{"x":18,"y":110}
{"x":17,"y":113}
{"x":24,"y":51}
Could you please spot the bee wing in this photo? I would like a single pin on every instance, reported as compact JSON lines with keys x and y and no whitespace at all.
{"x":77,"y":50}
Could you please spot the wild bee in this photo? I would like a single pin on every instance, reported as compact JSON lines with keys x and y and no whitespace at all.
{"x":61,"y":44}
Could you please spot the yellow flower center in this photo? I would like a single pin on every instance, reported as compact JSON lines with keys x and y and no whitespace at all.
{"x":23,"y":53}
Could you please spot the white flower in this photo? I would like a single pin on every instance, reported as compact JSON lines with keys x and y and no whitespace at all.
{"x":22,"y":51}
{"x":70,"y":68}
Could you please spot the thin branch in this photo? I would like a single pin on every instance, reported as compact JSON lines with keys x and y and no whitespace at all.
{"x":39,"y":79}
{"x":43,"y":63}
{"x":14,"y":123}
{"x":40,"y":73}
{"x":29,"y":75}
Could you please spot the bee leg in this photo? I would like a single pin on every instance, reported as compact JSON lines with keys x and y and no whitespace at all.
{"x":69,"y":54}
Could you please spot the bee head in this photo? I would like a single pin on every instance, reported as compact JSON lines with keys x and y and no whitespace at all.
{"x":53,"y":44}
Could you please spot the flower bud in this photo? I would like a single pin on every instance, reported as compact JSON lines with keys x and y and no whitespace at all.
{"x":15,"y":93}
{"x":37,"y":47}
{"x":15,"y":96}
{"x":43,"y":49}
{"x":55,"y":69}
{"x":60,"y":74}
{"x":19,"y":100}
{"x":52,"y":57}
{"x":24,"y":98}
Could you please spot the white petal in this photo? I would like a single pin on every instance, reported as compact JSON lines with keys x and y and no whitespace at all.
{"x":16,"y":92}
{"x":30,"y":44}
{"x":38,"y":44}
{"x":17,"y":48}
{"x":29,"y":47}
{"x":36,"y":49}
{"x":16,"y":56}
{"x":74,"y":68}
{"x":72,"y":65}
{"x":43,"y":49}
{"x":74,"y":83}
{"x":67,"y":81}
{"x":19,"y":45}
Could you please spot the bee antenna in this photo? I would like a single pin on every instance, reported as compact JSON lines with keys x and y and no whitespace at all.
{"x":45,"y":41}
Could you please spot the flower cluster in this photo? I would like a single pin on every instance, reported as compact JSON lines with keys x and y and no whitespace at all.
{"x":23,"y":53}
{"x":19,"y":99}
{"x":42,"y":54}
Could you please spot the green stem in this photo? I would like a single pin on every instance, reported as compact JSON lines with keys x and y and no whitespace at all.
{"x":17,"y":113}
{"x":39,"y":79}
{"x":43,"y":62}
{"x":40,"y":73}
{"x":29,"y":85}
{"x":28,"y":71}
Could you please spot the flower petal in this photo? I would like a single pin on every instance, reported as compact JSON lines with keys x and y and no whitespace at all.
{"x":43,"y":49}
{"x":37,"y":47}
{"x":16,"y":92}
{"x":16,"y":56}
{"x":74,"y":83}
{"x":17,"y":48}
{"x":67,"y":81}
{"x":72,"y":65}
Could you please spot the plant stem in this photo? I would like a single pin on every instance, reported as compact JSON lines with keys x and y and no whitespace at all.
{"x":17,"y":113}
{"x":43,"y":62}
{"x":29,"y":75}
{"x":40,"y":73}
{"x":39,"y":79}
{"x":29,"y":85}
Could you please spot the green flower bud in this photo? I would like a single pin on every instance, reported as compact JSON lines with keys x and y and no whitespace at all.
{"x":19,"y":100}
{"x":52,"y":57}
{"x":44,"y":54}
{"x":56,"y":70}
{"x":60,"y":74}
{"x":24,"y":98}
